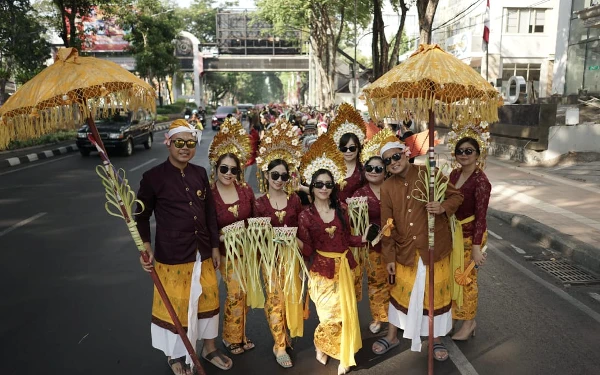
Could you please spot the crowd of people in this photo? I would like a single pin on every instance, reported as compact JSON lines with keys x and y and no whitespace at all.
{"x":338,"y":202}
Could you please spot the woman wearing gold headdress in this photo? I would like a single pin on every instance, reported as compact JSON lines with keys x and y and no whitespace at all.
{"x":348,"y":131}
{"x":469,"y":146}
{"x":277,"y":164}
{"x":324,"y":230}
{"x":379,"y":289}
{"x":234,"y":201}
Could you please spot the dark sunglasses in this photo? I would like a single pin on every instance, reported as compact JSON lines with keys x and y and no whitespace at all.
{"x":190,"y":143}
{"x":224,"y":169}
{"x":284,"y":176}
{"x":370,"y":168}
{"x":395,"y":157}
{"x":466,"y":151}
{"x":320,"y":185}
{"x":348,"y":149}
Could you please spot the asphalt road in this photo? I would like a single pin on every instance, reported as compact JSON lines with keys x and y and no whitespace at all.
{"x":75,"y":301}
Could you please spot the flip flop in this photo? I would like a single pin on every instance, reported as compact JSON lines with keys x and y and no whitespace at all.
{"x":387,"y":346}
{"x":212,"y":356}
{"x":248,"y":345}
{"x":282,"y":359}
{"x":437,"y":347}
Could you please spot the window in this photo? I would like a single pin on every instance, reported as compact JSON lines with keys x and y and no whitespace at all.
{"x":525,"y":20}
{"x":529,"y":71}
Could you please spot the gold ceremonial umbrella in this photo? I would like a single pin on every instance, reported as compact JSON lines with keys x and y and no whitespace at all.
{"x":433,"y":83}
{"x":78,"y":88}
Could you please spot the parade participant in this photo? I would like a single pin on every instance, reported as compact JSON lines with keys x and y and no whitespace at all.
{"x":234,"y":201}
{"x":324,"y":231}
{"x":406,"y":253}
{"x":469,"y":145}
{"x":186,"y":250}
{"x":377,"y":276}
{"x":348,"y":132}
{"x":309,"y":136}
{"x":277,"y":164}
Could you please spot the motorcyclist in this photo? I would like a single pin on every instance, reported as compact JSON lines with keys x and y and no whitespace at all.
{"x":196,"y":122}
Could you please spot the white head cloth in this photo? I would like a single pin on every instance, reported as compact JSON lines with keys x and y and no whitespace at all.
{"x":391,"y":145}
{"x":183,"y":129}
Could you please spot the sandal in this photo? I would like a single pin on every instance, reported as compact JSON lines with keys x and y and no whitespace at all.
{"x":248,"y":345}
{"x":218,"y":359}
{"x":385,"y":344}
{"x":439,"y":347}
{"x":375,"y":327}
{"x":234,"y":349}
{"x":185,"y":368}
{"x":284,"y":360}
{"x":322,"y":357}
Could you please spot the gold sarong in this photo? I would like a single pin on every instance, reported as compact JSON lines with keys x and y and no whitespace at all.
{"x":234,"y":316}
{"x":338,"y":332}
{"x":176,"y":280}
{"x":275,"y":310}
{"x":379,"y":288}
{"x":457,"y":259}
{"x":468,"y":309}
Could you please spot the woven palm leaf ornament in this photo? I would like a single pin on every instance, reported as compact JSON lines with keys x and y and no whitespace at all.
{"x":235,"y":241}
{"x":231,"y":139}
{"x":358,"y":212}
{"x":259,"y":233}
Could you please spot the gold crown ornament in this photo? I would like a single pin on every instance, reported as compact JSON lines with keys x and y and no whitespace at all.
{"x":347,"y":120}
{"x":279,"y":142}
{"x":373,"y":145}
{"x":323,"y":154}
{"x":479,"y":132}
{"x":231,"y":138}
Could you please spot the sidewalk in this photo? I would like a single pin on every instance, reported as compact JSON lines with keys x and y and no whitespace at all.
{"x":17,"y":157}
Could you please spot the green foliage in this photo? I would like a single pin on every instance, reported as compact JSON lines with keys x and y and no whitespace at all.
{"x":67,"y":18}
{"x":161,"y":118}
{"x":199,"y":20}
{"x":255,"y":87}
{"x":55,"y":137}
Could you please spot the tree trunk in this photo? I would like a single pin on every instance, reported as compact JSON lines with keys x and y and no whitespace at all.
{"x":379,"y":40}
{"x":426,"y":10}
{"x":73,"y":29}
{"x":396,"y":48}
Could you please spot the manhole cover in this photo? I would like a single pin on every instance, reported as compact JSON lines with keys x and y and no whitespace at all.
{"x":526,"y":182}
{"x":567,"y":272}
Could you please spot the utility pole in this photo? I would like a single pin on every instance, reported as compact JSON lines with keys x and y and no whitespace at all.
{"x":354,"y":82}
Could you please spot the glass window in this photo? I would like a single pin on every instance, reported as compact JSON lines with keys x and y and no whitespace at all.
{"x":508,"y":70}
{"x":540,"y":16}
{"x":512,"y":21}
{"x":575,"y":66}
{"x":534,"y":72}
{"x":523,"y":20}
{"x":580,"y":5}
{"x":577,"y":32}
{"x":591,"y":75}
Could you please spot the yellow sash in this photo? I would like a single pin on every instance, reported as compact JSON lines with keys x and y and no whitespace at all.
{"x":457,"y":259}
{"x":351,"y":341}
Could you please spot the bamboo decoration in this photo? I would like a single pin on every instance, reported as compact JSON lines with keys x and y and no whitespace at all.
{"x":259,"y":229}
{"x":358,"y":211}
{"x":290,"y":263}
{"x":235,"y":240}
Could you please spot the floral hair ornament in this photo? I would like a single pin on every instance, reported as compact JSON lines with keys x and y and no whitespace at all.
{"x":323,"y":154}
{"x":373,"y":146}
{"x":232,"y":138}
{"x":347,"y":120}
{"x":179,"y":126}
{"x":479,"y":132}
{"x":279,"y":142}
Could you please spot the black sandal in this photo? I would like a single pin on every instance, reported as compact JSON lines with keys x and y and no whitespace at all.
{"x":248,"y":345}
{"x":438,"y":347}
{"x":184,"y":366}
{"x":235,"y":349}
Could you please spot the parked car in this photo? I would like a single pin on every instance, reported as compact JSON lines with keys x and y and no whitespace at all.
{"x":221,"y":114}
{"x":244,"y":108}
{"x":120,"y":132}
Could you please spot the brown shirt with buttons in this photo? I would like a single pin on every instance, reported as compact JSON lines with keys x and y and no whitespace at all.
{"x":184,"y":208}
{"x":410,"y":232}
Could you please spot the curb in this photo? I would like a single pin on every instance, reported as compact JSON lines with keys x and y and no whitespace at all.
{"x":46,"y":154}
{"x":585,"y":255}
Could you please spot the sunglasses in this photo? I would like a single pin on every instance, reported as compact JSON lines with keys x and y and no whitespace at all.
{"x":284,"y":176}
{"x":320,"y":185}
{"x":395,"y":157}
{"x":465,"y":151}
{"x":348,"y":149}
{"x":370,"y":168}
{"x":224,"y":169}
{"x":190,"y":143}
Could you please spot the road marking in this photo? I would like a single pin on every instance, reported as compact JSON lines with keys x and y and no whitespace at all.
{"x":518,"y":249}
{"x":142,"y":165}
{"x":456,"y":355}
{"x":21,"y":223}
{"x":553,"y":288}
{"x":494,"y":235}
{"x":36,"y":165}
{"x":595,"y":296}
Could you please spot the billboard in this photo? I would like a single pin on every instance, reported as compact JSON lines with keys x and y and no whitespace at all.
{"x":101,"y":33}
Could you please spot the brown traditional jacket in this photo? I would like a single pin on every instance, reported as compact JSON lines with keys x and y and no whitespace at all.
{"x":410,"y":231}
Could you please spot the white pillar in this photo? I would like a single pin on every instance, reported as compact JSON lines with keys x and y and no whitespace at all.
{"x":560,"y":56}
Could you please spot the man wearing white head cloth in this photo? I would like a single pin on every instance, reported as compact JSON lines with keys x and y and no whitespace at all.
{"x":406,"y":253}
{"x":186,"y":250}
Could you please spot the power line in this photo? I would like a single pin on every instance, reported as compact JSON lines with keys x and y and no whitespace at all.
{"x":453,"y":19}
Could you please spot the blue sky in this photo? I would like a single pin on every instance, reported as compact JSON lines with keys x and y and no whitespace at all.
{"x":242,"y":3}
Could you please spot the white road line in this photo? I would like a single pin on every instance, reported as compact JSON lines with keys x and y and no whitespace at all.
{"x":518,"y":250}
{"x":595,"y":296}
{"x":553,"y":288}
{"x":456,"y":355}
{"x":21,"y":223}
{"x":494,"y":235}
{"x":142,"y":165}
{"x":37,"y":164}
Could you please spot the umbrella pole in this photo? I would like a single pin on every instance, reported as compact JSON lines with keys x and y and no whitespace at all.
{"x":431,"y":228}
{"x":157,"y":283}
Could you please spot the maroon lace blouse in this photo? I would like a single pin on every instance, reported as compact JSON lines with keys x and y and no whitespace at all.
{"x":226,"y":212}
{"x":292,"y":211}
{"x":312,"y":232}
{"x":374,"y":210}
{"x":476,"y":190}
{"x":353,"y":183}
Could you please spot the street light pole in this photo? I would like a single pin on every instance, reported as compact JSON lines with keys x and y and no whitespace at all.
{"x":354,"y":82}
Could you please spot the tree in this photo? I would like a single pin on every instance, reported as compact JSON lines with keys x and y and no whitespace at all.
{"x":219,"y":85}
{"x":426,"y":10}
{"x":70,"y":29}
{"x":23,"y":48}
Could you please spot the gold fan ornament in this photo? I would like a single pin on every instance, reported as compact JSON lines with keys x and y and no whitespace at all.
{"x":323,"y":154}
{"x":232,"y":138}
{"x":374,"y":145}
{"x":347,"y":120}
{"x":479,"y":132}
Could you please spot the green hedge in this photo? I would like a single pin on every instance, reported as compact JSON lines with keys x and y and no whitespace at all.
{"x":55,"y":137}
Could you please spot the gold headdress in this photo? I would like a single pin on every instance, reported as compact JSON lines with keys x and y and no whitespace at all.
{"x":232,"y":138}
{"x":279,"y":142}
{"x":373,"y":145}
{"x":323,"y":154}
{"x":347,"y":120}
{"x":479,"y":132}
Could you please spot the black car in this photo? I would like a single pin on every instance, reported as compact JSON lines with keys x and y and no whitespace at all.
{"x":121,"y":132}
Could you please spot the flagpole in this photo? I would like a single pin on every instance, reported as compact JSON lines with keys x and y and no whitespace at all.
{"x":487,"y":63}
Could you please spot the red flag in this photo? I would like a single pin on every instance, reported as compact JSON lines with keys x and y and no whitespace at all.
{"x":419,"y":143}
{"x":486,"y":27}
